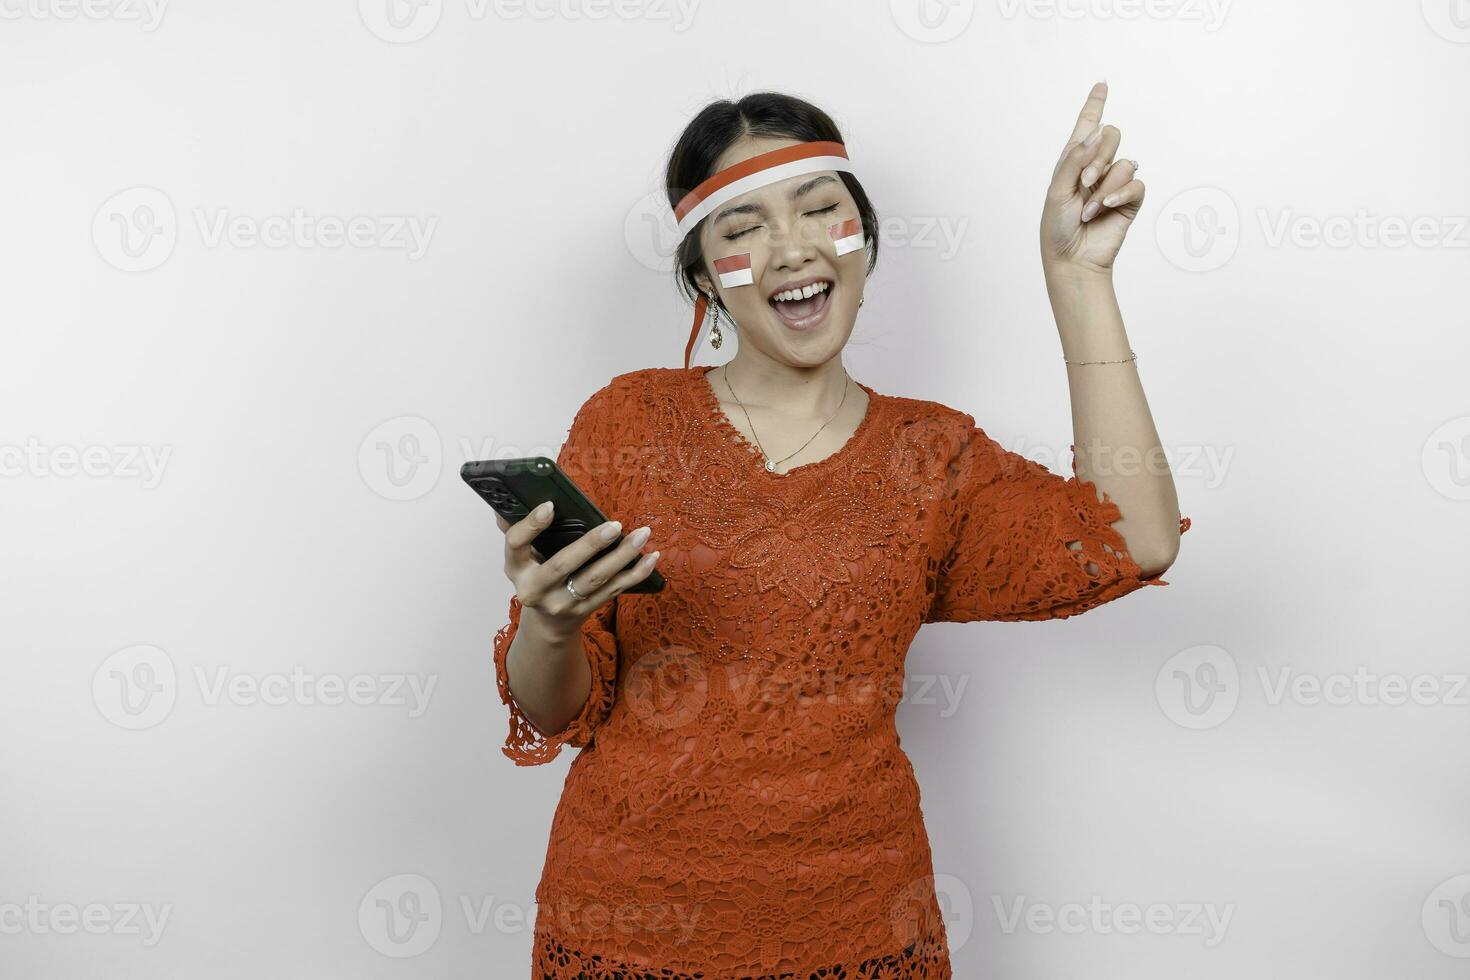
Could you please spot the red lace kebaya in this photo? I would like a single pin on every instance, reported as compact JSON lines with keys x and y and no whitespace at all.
{"x":741,"y":806}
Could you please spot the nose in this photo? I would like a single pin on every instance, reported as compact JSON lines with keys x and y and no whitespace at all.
{"x":793,"y":246}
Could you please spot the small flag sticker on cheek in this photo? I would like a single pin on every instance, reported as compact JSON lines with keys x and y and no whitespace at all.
{"x":734,"y":270}
{"x":847,"y":235}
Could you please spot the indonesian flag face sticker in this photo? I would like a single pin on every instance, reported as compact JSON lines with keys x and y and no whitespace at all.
{"x":847,"y":235}
{"x":734,"y":270}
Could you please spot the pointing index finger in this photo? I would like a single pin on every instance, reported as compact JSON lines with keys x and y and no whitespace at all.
{"x":1091,"y":113}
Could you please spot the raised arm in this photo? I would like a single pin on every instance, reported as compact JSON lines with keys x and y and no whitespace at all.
{"x":1090,"y":204}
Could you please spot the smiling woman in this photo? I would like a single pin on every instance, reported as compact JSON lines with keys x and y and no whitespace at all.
{"x":774,"y":169}
{"x":741,"y":806}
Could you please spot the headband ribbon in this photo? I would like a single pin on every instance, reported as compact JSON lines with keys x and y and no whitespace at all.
{"x":743,"y":177}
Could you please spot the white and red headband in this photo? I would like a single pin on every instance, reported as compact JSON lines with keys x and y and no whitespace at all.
{"x":743,"y":177}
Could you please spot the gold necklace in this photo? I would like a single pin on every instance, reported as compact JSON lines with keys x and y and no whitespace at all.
{"x":772,"y":463}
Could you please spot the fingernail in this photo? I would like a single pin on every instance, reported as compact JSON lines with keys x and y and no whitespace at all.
{"x":1110,"y":200}
{"x":1088,"y":176}
{"x":611,"y":530}
{"x":1093,"y":138}
{"x":1089,"y":211}
{"x":641,"y":535}
{"x":543,"y":510}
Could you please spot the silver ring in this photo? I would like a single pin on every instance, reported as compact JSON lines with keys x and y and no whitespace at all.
{"x":575,"y":594}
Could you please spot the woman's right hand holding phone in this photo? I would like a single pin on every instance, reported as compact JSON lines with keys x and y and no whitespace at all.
{"x":541,"y":586}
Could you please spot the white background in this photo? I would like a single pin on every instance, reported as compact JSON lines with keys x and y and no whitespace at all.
{"x":1313,"y":396}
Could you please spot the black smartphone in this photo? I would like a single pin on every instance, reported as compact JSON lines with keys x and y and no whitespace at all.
{"x":515,"y":487}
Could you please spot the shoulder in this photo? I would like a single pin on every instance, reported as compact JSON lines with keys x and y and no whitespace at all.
{"x":947,"y":431}
{"x":932,"y":413}
{"x":951,"y":440}
{"x":621,"y":397}
{"x":640,"y":383}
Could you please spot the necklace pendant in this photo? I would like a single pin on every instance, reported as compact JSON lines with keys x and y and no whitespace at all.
{"x":770,"y":465}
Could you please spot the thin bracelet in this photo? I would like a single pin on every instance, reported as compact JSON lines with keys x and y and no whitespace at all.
{"x":1122,"y":360}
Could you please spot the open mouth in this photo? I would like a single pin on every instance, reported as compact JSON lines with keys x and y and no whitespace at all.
{"x":805,"y":308}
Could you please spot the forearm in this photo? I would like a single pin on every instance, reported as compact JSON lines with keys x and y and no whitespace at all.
{"x":547,"y":672}
{"x":1116,"y":443}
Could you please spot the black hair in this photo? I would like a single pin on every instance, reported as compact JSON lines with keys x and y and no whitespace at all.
{"x":720,"y":125}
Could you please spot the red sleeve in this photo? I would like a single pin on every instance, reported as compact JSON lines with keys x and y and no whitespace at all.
{"x":587,"y":458}
{"x":1008,"y":523}
{"x":526,"y":744}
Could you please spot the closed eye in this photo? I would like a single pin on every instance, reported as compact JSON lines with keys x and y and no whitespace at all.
{"x":745,"y":231}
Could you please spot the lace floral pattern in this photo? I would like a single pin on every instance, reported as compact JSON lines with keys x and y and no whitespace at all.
{"x":1010,"y":512}
{"x":914,"y":962}
{"x":796,"y":544}
{"x":741,"y":806}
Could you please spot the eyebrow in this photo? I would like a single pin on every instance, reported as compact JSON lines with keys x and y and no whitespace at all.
{"x":754,"y":208}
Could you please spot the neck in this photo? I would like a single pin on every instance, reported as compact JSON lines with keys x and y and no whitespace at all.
{"x":794,"y":390}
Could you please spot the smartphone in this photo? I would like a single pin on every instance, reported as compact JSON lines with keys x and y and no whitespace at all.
{"x":515,"y":487}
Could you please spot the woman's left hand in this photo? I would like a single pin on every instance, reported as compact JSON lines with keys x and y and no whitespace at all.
{"x":1077,"y":228}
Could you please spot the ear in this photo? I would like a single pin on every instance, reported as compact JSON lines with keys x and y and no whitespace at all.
{"x":704,"y":283}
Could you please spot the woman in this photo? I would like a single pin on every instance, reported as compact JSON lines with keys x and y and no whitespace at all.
{"x":741,"y":806}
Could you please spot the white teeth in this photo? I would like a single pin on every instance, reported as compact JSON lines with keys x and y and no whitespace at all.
{"x":805,"y":292}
